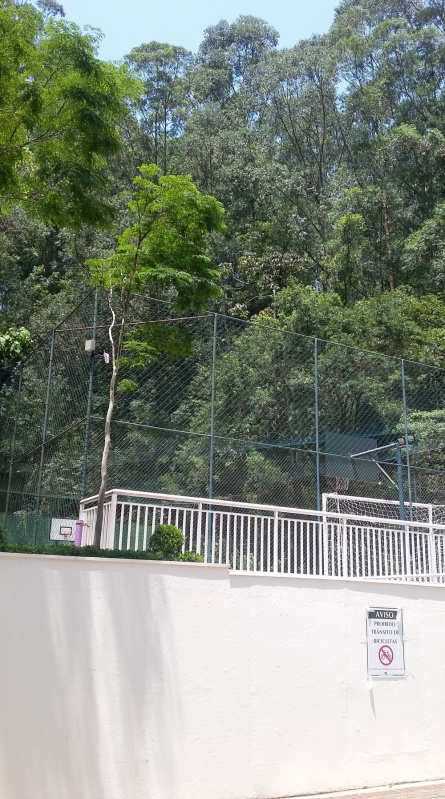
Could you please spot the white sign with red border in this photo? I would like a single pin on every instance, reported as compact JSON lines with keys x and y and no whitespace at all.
{"x":384,"y":633}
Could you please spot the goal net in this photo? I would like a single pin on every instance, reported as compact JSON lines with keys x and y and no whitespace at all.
{"x":383,"y":508}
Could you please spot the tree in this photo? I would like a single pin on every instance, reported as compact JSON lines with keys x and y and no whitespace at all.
{"x":59,"y":113}
{"x":228,"y":54}
{"x":163,"y":250}
{"x":163,"y":106}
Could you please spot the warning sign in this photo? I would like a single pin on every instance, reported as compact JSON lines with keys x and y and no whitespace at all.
{"x":386,"y":656}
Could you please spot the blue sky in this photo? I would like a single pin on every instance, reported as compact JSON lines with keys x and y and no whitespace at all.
{"x":128,"y":23}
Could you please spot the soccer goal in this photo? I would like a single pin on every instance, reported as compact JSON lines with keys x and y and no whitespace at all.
{"x":382,"y":508}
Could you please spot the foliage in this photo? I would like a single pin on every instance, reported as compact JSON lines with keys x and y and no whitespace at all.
{"x":329,"y":159}
{"x":164,"y":104}
{"x":14,"y":344}
{"x":60,"y":108}
{"x":97,"y":552}
{"x":164,"y":247}
{"x":166,"y":541}
{"x":3,"y":539}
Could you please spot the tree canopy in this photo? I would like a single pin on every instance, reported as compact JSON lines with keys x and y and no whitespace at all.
{"x":60,"y":109}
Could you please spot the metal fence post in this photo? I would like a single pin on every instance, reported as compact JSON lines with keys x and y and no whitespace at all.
{"x":212,"y":440}
{"x":405,"y":420}
{"x":14,"y":437}
{"x":317,"y":426}
{"x":44,"y":432}
{"x":400,"y":481}
{"x":83,"y":477}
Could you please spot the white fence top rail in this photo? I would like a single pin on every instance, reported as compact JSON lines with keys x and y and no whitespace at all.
{"x":249,"y":506}
{"x":376,"y":500}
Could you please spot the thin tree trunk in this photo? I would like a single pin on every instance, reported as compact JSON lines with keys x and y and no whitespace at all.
{"x":107,"y":439}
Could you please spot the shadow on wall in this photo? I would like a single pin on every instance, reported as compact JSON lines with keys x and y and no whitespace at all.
{"x":63,"y":638}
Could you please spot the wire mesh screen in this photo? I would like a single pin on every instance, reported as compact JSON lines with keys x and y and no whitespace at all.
{"x":239,"y":411}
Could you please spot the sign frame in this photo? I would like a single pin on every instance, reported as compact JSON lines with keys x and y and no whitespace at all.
{"x":385,"y":646}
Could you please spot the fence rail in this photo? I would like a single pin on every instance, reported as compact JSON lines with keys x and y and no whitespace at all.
{"x":276,"y":540}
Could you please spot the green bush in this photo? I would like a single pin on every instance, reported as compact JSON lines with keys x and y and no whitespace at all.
{"x":93,"y":552}
{"x":190,"y":557}
{"x":167,"y":541}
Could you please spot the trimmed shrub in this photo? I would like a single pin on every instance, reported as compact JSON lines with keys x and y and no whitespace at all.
{"x":167,"y":541}
{"x":93,"y":552}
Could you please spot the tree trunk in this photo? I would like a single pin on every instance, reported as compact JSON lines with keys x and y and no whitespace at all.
{"x":104,"y":463}
{"x":108,"y":418}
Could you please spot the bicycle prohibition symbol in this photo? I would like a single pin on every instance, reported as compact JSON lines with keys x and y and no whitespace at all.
{"x":386,"y":655}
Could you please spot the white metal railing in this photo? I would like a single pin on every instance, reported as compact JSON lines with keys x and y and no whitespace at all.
{"x":271,"y":539}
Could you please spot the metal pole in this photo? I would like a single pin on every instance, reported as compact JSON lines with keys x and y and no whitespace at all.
{"x":317,"y":426}
{"x":212,"y":440}
{"x":44,"y":432}
{"x":14,"y":437}
{"x":400,"y":481}
{"x":408,"y":465}
{"x":83,"y":477}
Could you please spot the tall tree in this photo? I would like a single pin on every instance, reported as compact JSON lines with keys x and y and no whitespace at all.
{"x":163,"y":249}
{"x":164,"y":104}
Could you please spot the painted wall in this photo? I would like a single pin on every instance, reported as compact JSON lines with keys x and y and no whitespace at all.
{"x":131,"y":680}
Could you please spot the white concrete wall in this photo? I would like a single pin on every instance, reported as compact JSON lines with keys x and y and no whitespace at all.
{"x":131,"y":680}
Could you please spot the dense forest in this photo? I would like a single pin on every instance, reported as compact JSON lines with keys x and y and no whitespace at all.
{"x":328,"y":159}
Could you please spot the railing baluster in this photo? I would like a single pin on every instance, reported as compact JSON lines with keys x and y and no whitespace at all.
{"x":374,"y":554}
{"x":241,"y":544}
{"x":262,"y":545}
{"x":144,"y":542}
{"x":249,"y":554}
{"x":235,"y":522}
{"x":121,"y":525}
{"x":214,"y":527}
{"x":220,"y":538}
{"x":130,"y":521}
{"x":153,"y":521}
{"x":275,"y":542}
{"x":138,"y":521}
{"x":228,"y":540}
{"x":301,"y":543}
{"x":345,"y":548}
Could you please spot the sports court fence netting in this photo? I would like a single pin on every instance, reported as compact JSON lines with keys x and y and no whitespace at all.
{"x":247,"y":411}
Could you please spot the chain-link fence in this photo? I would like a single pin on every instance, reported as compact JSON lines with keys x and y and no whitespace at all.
{"x":243,"y":411}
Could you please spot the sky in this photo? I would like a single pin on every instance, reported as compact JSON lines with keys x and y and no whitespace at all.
{"x":128,"y":23}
